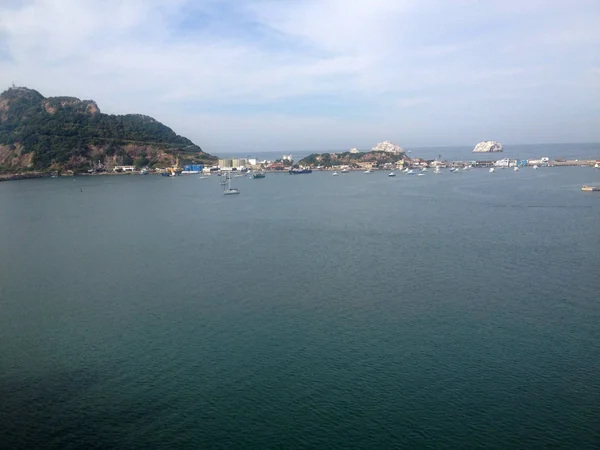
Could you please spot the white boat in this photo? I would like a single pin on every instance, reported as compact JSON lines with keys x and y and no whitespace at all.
{"x":437,"y":170}
{"x":597,"y":166}
{"x":345,"y":171}
{"x":491,"y":170}
{"x":420,"y":174}
{"x":535,"y":166}
{"x":410,"y":172}
{"x":335,"y":174}
{"x":391,"y":174}
{"x":405,"y":170}
{"x":516,"y":169}
{"x":424,"y":169}
{"x":230,"y":190}
{"x":203,"y":177}
{"x":367,"y":171}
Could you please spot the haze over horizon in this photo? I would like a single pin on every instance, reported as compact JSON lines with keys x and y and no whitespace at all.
{"x":314,"y":75}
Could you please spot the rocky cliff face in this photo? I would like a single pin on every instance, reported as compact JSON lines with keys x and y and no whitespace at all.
{"x":388,"y":147}
{"x":57,"y":133}
{"x":488,"y":146}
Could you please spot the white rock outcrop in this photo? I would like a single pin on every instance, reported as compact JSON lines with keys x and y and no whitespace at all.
{"x":387,"y":147}
{"x":487,"y":147}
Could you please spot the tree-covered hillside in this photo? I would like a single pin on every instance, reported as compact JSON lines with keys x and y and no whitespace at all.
{"x":67,"y":133}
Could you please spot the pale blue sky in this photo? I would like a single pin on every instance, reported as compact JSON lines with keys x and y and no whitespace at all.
{"x":262,"y":75}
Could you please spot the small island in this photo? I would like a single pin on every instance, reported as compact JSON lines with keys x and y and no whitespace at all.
{"x":385,"y":154}
{"x":488,"y":147}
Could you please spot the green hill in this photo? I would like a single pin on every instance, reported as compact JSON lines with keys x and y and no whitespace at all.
{"x":65,"y":133}
{"x":354,"y":160}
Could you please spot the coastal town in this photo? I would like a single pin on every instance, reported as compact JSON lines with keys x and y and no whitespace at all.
{"x":383,"y":156}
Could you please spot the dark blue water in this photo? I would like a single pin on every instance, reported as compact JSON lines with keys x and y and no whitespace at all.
{"x":311,"y":311}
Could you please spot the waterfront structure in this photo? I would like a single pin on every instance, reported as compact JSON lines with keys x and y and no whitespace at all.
{"x":502,"y":163}
{"x":193,"y":168}
{"x":124,"y":168}
{"x":232,"y":163}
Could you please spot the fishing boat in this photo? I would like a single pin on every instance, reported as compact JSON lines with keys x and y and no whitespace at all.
{"x":299,"y":171}
{"x":587,"y":188}
{"x":230,"y":190}
{"x":391,"y":174}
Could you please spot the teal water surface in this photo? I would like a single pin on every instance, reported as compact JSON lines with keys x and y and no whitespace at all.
{"x":311,"y":311}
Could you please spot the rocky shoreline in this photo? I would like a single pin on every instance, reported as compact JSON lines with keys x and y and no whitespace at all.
{"x":22,"y":176}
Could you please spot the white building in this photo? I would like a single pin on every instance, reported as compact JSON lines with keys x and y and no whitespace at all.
{"x":124,"y":168}
{"x":232,"y":163}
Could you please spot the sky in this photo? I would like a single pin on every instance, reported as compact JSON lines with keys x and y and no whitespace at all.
{"x":285,"y":75}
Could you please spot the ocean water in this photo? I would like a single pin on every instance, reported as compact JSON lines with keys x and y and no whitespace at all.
{"x":310,"y":311}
